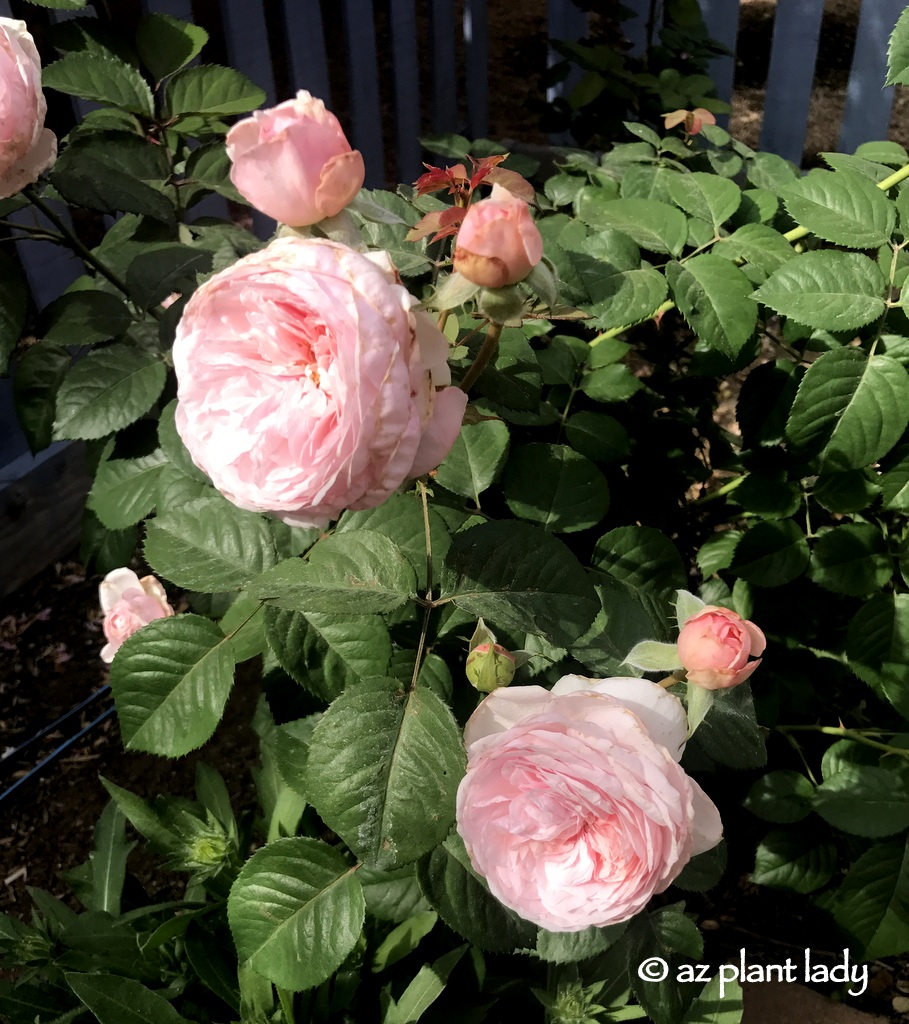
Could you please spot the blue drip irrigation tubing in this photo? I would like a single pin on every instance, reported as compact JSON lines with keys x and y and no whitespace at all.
{"x":53,"y":725}
{"x":63,"y":746}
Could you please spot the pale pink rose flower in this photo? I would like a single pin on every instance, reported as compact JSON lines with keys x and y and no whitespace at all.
{"x":308,"y":385}
{"x":715,"y":645}
{"x":129,"y":604}
{"x":26,"y":147}
{"x":574,"y":807}
{"x":498,"y":243}
{"x":294,"y":163}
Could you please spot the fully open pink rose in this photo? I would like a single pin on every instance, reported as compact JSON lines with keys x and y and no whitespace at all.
{"x":26,"y":147}
{"x":129,"y":604}
{"x":715,"y":645}
{"x":574,"y":808}
{"x":294,"y":162}
{"x":498,"y":242}
{"x":307,"y":384}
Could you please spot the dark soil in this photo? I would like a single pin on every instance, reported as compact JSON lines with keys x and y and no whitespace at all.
{"x":50,"y":639}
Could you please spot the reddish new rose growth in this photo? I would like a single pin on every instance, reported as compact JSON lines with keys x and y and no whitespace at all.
{"x":498,"y":243}
{"x":715,"y":646}
{"x":444,"y":223}
{"x":693,"y":120}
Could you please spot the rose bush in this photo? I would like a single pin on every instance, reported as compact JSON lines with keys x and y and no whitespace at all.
{"x":26,"y":147}
{"x":308,"y":385}
{"x":129,"y":603}
{"x":498,"y":243}
{"x":294,"y":162}
{"x":574,"y":808}
{"x":715,"y":647}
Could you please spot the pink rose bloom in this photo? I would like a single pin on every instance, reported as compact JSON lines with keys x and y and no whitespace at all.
{"x":294,"y":163}
{"x":307,"y":383}
{"x":129,"y":604}
{"x":26,"y":147}
{"x":714,"y":647}
{"x":574,"y":808}
{"x":498,"y":242}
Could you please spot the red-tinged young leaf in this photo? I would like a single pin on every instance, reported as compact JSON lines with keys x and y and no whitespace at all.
{"x":426,"y":225}
{"x":516,"y":184}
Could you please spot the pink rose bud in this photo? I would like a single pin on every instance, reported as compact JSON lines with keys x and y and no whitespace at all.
{"x":490,"y":666}
{"x":307,"y":383}
{"x":129,"y":604}
{"x":574,"y":807}
{"x":26,"y":147}
{"x":715,"y":645}
{"x":294,"y":163}
{"x":498,"y":243}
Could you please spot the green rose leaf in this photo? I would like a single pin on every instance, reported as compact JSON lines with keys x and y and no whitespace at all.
{"x":712,"y":294}
{"x":383,"y":769}
{"x":106,"y":80}
{"x":871,"y":902}
{"x":626,"y":296}
{"x":211,"y":89}
{"x":877,"y":646}
{"x":654,"y":225}
{"x":326,"y":653}
{"x":209,"y":545}
{"x":39,"y":373}
{"x":521,"y":577}
{"x":864,"y":801}
{"x":790,"y":860}
{"x":707,"y":196}
{"x":758,"y":244}
{"x":898,"y":53}
{"x":116,"y":1000}
{"x":83,"y":318}
{"x":641,"y":556}
{"x":852,"y":559}
{"x":771,"y":554}
{"x":106,"y":391}
{"x":170,"y":682}
{"x":782,"y":796}
{"x":296,"y":911}
{"x":465,"y":904}
{"x":125,"y":490}
{"x":167,"y":44}
{"x":850,"y":409}
{"x":154,"y":274}
{"x":555,"y":486}
{"x":210,"y":166}
{"x":475,"y":459}
{"x":13,"y":306}
{"x":358,"y":572}
{"x":830,"y":290}
{"x":841,"y":207}
{"x":597,"y":436}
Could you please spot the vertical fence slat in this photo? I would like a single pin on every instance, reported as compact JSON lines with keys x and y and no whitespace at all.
{"x":567,"y":22}
{"x":363,"y":77}
{"x":5,"y":10}
{"x":476,"y":44}
{"x":406,"y":71}
{"x":635,"y":27}
{"x":866,"y":115}
{"x":722,"y":20}
{"x":444,"y":74}
{"x":306,"y":48}
{"x":247,"y":50}
{"x":796,"y":30}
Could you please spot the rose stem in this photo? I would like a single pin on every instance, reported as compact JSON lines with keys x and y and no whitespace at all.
{"x":483,"y":356}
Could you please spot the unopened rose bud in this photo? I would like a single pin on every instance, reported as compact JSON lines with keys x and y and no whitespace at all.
{"x":489,"y":667}
{"x":498,"y":243}
{"x":715,"y":645}
{"x":294,"y":163}
{"x":129,"y":604}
